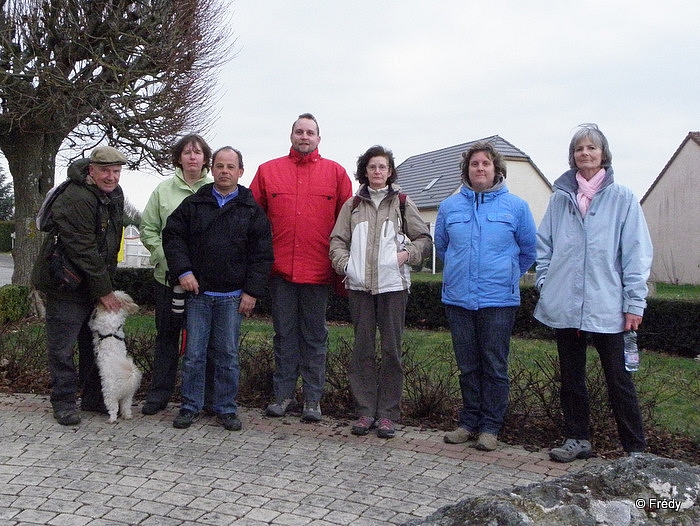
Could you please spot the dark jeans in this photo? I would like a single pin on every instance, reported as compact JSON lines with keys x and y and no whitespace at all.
{"x":377,"y":390}
{"x":66,"y":324}
{"x":300,"y":340}
{"x":571,"y":344}
{"x":481,"y":341}
{"x":213,"y":333}
{"x":166,"y":355}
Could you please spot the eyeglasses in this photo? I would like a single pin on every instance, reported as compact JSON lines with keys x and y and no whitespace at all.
{"x":377,"y":167}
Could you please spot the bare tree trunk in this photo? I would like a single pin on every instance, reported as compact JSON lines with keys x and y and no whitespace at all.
{"x":31,"y":159}
{"x":37,"y":304}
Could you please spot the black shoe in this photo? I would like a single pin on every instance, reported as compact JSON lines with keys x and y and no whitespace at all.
{"x":151,"y":408}
{"x":94,"y":406}
{"x":230,"y":421}
{"x":185,"y":418}
{"x":67,"y":417}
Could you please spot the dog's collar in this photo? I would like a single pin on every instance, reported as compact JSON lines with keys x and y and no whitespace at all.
{"x":105,"y":336}
{"x":111,"y":335}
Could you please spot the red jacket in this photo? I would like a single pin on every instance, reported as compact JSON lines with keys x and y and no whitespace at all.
{"x":302,"y":196}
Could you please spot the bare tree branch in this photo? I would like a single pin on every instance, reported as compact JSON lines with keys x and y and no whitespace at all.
{"x":77,"y":73}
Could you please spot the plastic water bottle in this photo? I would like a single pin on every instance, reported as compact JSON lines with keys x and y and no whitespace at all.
{"x":631,"y":351}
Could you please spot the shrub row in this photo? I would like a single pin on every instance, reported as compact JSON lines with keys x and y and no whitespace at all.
{"x":14,"y":303}
{"x":671,"y":326}
{"x":7,"y":228}
{"x":431,"y":392}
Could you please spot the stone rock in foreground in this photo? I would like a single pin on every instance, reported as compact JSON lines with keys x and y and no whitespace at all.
{"x":627,"y":492}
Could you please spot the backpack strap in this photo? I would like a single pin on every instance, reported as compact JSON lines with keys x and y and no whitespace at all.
{"x":402,"y":205}
{"x":402,"y":208}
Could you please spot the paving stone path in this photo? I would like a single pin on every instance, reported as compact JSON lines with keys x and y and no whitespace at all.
{"x":275,"y":471}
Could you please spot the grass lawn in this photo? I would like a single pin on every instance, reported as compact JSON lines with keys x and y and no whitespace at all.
{"x":677,"y":292}
{"x":674,"y":380}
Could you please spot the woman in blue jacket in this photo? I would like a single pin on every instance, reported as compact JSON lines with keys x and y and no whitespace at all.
{"x":593,"y":261}
{"x":486,"y":238}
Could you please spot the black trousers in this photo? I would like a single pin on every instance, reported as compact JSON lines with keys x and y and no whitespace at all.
{"x":66,"y":324}
{"x":166,"y":355}
{"x":571,"y":344}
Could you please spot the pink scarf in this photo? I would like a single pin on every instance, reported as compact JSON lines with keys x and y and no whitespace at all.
{"x":587,"y":189}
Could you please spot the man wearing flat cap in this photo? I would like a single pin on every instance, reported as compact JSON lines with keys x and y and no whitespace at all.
{"x":86,"y":219}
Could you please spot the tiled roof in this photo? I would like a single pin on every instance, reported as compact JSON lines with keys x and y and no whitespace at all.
{"x":431,"y":177}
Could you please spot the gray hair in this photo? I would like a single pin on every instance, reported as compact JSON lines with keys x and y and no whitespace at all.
{"x":592,"y":132}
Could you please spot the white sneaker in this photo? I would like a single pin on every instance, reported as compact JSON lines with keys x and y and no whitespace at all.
{"x":570,"y":450}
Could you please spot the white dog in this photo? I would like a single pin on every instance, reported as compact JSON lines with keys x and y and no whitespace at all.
{"x":120,"y":376}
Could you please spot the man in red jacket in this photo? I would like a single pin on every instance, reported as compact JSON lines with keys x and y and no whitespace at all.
{"x":302,"y":195}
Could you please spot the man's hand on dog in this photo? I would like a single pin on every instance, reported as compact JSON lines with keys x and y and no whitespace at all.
{"x":110,"y":302}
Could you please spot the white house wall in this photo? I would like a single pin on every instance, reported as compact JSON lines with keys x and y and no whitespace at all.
{"x":673,"y":215}
{"x":523,"y":181}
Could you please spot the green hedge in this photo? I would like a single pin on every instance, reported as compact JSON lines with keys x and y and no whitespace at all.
{"x":6,"y":230}
{"x":14,"y":303}
{"x":670,"y":326}
{"x":138,"y":283}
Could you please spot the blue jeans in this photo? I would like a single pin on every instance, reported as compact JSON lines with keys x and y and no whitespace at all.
{"x":300,"y":340}
{"x":481,"y":341}
{"x":572,"y":345}
{"x":214,"y":322}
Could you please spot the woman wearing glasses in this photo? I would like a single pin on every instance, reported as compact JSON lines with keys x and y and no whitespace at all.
{"x":378,"y":235}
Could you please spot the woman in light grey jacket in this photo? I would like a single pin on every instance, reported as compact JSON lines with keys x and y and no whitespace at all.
{"x":378,"y":234}
{"x":593,"y":260}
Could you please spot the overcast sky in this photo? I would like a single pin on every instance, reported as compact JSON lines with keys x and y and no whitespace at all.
{"x":417,"y":76}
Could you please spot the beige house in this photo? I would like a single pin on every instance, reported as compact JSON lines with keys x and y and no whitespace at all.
{"x":671,"y":210}
{"x":428,"y":178}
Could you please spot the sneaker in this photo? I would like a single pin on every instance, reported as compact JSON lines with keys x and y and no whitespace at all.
{"x":486,"y":442}
{"x":185,"y":418}
{"x":67,"y":417}
{"x":635,"y":454}
{"x":363,"y":425}
{"x":151,"y":408}
{"x":386,"y":429}
{"x":459,"y":436}
{"x":311,"y":412}
{"x":570,"y":450}
{"x":230,"y":421}
{"x":278,"y":408}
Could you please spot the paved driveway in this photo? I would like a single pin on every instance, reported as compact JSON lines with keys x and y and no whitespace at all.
{"x":275,"y":471}
{"x":7,"y":266}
